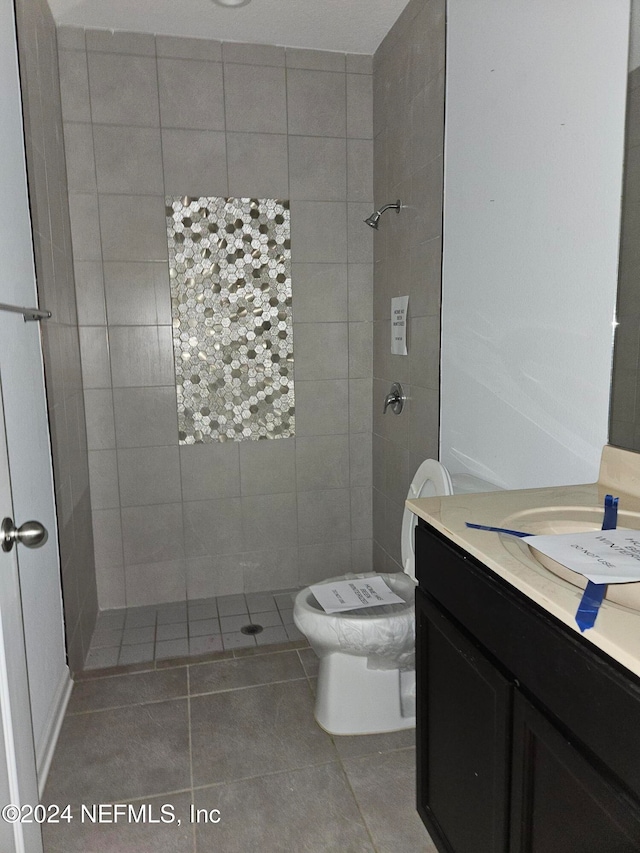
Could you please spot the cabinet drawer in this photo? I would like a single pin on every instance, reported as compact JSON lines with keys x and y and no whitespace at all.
{"x":593,"y":698}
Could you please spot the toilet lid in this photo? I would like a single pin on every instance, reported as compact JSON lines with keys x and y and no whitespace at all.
{"x":430,"y":480}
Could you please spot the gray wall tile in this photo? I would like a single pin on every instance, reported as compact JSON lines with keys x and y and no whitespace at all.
{"x":255,"y":98}
{"x":311,"y":218}
{"x":267,"y":467}
{"x":137,"y":294}
{"x":258,"y":165}
{"x":316,"y":60}
{"x":210,"y":470}
{"x":81,"y":168}
{"x":322,"y":407}
{"x":253,"y":54}
{"x":90,"y":293}
{"x":152,"y":534}
{"x":324,"y":517}
{"x":178,"y":47}
{"x":359,"y":106}
{"x":103,"y":478}
{"x":322,"y":462}
{"x":94,"y":350}
{"x":99,"y":413}
{"x":74,"y":85}
{"x":149,"y":475}
{"x":145,"y":417}
{"x":130,"y":228}
{"x":322,"y":351}
{"x":123,"y":89}
{"x":195,"y":162}
{"x":317,"y":168}
{"x":141,"y":356}
{"x":85,"y":226}
{"x":213,"y":527}
{"x":191,"y":94}
{"x":267,"y":521}
{"x":142,"y":44}
{"x":316,"y":103}
{"x":128,"y":159}
{"x":155,"y":583}
{"x":319,"y":292}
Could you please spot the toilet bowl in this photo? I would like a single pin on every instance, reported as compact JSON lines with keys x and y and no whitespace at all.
{"x":366,"y":678}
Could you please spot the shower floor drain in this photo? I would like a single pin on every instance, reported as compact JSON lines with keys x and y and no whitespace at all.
{"x":251,"y":629}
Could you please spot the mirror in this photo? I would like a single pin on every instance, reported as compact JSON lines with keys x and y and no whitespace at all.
{"x":624,"y":414}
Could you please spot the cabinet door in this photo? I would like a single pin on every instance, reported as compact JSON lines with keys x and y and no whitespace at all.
{"x":560,"y":801}
{"x":463,"y":738}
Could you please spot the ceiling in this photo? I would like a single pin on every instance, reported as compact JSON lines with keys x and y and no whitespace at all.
{"x":349,"y":26}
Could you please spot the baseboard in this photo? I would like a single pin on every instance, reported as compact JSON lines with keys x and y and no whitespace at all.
{"x":47,"y":745}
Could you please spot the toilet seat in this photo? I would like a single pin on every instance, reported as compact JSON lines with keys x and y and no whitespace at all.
{"x":379,"y":632}
{"x":431,"y":480}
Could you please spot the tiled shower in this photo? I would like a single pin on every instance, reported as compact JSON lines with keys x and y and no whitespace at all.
{"x":150,"y":121}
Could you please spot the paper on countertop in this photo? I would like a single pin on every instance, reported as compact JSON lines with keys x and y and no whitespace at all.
{"x":601,"y":556}
{"x":353,"y":594}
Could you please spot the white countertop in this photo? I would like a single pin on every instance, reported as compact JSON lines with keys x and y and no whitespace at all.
{"x":617,"y":628}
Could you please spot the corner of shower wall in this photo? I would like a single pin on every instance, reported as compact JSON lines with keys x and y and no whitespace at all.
{"x":408,"y":118}
{"x":48,"y":197}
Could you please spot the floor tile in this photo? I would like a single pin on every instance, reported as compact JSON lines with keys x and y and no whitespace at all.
{"x":231,"y":605}
{"x":272,"y":635}
{"x":134,"y":689}
{"x":172,"y":648}
{"x":172,"y":613}
{"x":310,"y":662}
{"x":228,"y":624}
{"x":134,"y":636}
{"x":171,"y":631}
{"x":102,"y":658}
{"x":293,"y":633}
{"x":147,"y":837}
{"x":284,"y":600}
{"x":237,"y":640}
{"x":244,"y":672}
{"x":108,"y":637}
{"x":140,"y":617}
{"x":204,"y":626}
{"x":203,"y":645}
{"x":287,"y":616}
{"x":121,"y":754}
{"x":358,"y":745}
{"x":316,"y":813}
{"x":258,"y":602}
{"x":268,"y":619}
{"x":203,"y":611}
{"x":136,"y":654}
{"x":111,"y":619}
{"x":253,"y":732}
{"x":384,"y":787}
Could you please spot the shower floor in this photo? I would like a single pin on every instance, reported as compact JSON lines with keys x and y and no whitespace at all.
{"x":193,"y":628}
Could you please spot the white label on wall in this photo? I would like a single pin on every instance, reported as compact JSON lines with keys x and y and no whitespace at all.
{"x":399,"y":306}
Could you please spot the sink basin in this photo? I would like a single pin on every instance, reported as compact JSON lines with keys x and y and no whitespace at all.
{"x":569,"y":519}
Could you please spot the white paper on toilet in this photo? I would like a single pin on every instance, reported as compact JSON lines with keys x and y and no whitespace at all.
{"x":601,"y":556}
{"x":354,"y":594}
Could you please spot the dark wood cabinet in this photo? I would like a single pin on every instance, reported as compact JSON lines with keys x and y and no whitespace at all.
{"x":528,"y":738}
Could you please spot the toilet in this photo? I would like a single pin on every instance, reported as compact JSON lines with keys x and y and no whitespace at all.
{"x":366,"y":679}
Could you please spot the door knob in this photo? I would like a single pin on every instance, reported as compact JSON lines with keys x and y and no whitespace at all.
{"x":32,"y":534}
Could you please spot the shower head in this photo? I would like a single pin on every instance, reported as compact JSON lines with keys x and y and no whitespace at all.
{"x":375,"y":216}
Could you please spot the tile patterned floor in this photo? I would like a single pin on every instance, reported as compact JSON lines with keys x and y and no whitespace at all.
{"x":142,"y":634}
{"x":234,"y":734}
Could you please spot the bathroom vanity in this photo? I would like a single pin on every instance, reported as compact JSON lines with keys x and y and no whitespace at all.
{"x":528,"y":733}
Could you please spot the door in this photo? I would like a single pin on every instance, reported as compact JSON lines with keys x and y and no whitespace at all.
{"x":18,"y":781}
{"x":462,"y":737}
{"x":560,"y":800}
{"x":32,"y":653}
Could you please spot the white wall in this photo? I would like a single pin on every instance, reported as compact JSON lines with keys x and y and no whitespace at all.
{"x":535,"y":109}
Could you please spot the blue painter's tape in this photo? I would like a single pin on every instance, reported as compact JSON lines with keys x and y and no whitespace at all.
{"x":595,"y":592}
{"x":498,"y":530}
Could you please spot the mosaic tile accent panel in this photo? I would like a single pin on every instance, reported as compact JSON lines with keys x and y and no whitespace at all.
{"x":230,"y":272}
